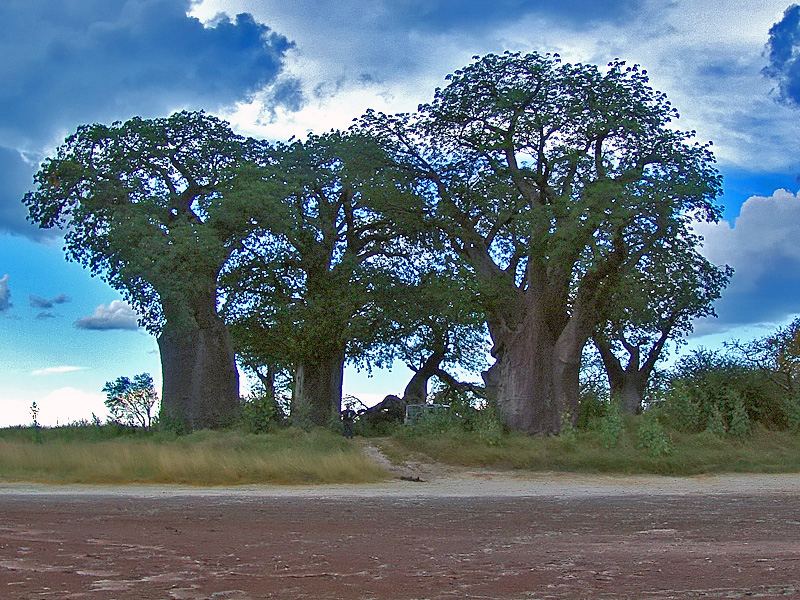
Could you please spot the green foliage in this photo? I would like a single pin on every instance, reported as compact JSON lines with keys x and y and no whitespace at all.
{"x":648,"y":446}
{"x":654,"y":303}
{"x":651,"y":435}
{"x":145,"y":206}
{"x":723,"y":394}
{"x":131,"y":402}
{"x":611,"y":425}
{"x":791,"y":411}
{"x":487,"y":425}
{"x":260,"y":413}
{"x":319,"y":265}
{"x":715,"y":425}
{"x":79,"y":432}
{"x":556,"y":177}
{"x":464,"y":413}
{"x":148,"y":205}
{"x":567,"y":432}
{"x":739,"y":424}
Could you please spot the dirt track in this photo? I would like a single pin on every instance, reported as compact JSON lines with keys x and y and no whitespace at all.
{"x":477,"y":535}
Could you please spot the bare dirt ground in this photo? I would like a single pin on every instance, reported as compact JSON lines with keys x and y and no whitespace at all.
{"x":456,"y":534}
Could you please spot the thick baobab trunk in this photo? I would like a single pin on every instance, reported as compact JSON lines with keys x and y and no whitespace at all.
{"x":491,"y":381}
{"x":567,"y":368}
{"x":201,"y":383}
{"x":537,"y":376}
{"x":525,"y":387}
{"x":317,"y":397}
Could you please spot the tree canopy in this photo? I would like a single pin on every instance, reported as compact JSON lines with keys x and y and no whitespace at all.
{"x":551,"y":202}
{"x":650,"y":306}
{"x":131,"y":402}
{"x":551,"y":181}
{"x":145,"y":206}
{"x":306,"y":288}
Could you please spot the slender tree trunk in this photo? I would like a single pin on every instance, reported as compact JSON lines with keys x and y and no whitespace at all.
{"x":629,"y":384}
{"x":567,"y":365}
{"x":201,"y":382}
{"x":317,"y":397}
{"x":631,"y":393}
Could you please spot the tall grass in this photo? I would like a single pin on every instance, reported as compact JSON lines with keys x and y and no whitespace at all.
{"x":764,"y":451}
{"x":202,"y":458}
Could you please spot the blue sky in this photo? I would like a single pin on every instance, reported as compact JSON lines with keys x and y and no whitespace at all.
{"x":277,"y":69}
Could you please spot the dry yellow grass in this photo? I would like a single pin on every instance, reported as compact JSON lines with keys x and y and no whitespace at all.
{"x":206,"y":458}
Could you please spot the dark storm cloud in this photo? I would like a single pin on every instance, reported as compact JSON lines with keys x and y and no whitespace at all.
{"x":68,"y":62}
{"x":73,"y":61}
{"x":783,"y":51}
{"x":16,"y":177}
{"x":356,"y":42}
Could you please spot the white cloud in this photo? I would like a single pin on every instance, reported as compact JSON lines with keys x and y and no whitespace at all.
{"x":763,"y":246}
{"x":56,"y":370}
{"x":56,"y":407}
{"x":707,"y":55}
{"x":117,"y":315}
{"x":5,"y":294}
{"x":766,"y":233}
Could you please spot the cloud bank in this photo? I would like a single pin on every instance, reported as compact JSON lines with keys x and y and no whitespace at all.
{"x":762,"y":246}
{"x":79,"y":61}
{"x":117,"y":315}
{"x":57,"y":407}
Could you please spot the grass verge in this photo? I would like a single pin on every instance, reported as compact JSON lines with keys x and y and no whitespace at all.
{"x":204,"y":458}
{"x":763,"y":451}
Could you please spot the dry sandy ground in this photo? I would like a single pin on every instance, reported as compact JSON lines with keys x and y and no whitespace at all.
{"x":464,"y":534}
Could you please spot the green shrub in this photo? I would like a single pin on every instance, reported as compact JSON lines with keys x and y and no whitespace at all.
{"x":722,"y":393}
{"x":567,"y":433}
{"x":716,"y":422}
{"x":739,"y":425}
{"x":592,"y":408}
{"x":488,"y":426}
{"x":459,"y":415}
{"x":260,"y":413}
{"x":790,"y":407}
{"x":651,"y":436}
{"x":611,"y":425}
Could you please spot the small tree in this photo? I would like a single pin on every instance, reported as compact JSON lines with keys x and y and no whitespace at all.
{"x":131,"y":402}
{"x":655,"y":303}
